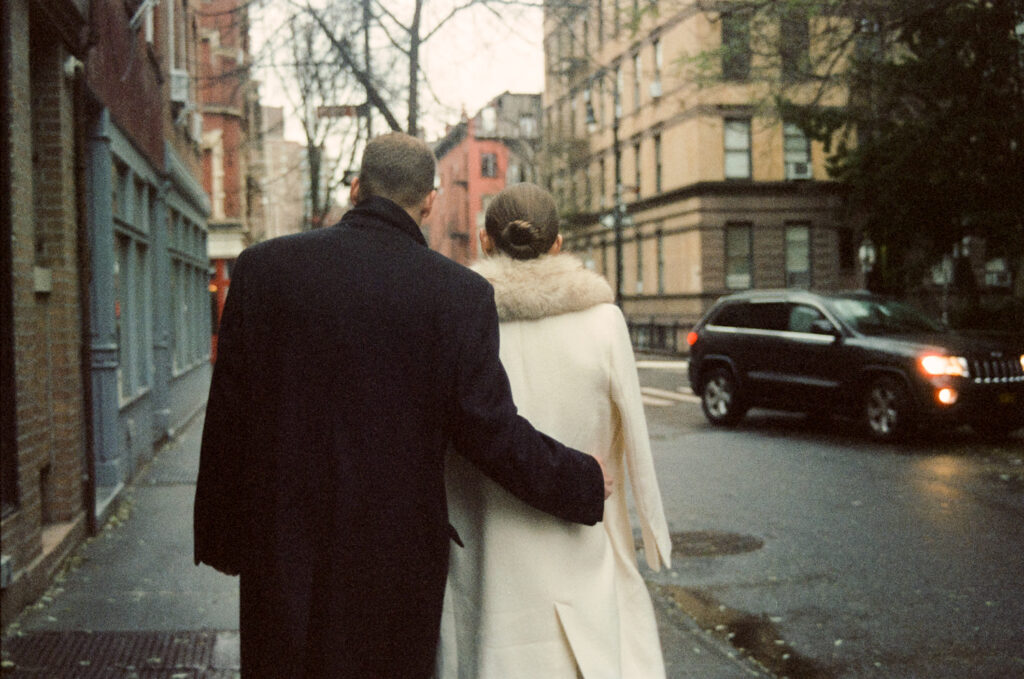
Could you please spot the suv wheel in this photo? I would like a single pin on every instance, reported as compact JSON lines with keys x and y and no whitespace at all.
{"x":887,"y":409}
{"x":720,"y":398}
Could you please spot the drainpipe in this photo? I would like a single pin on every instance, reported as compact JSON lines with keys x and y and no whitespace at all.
{"x":81,"y":117}
{"x":103,"y":324}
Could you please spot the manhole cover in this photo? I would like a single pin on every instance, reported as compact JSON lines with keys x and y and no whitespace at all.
{"x":713,"y":543}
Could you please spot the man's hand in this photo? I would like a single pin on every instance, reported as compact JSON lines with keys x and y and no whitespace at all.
{"x":609,"y":482}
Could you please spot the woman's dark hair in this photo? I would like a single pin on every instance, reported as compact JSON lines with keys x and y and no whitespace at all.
{"x":522,"y":221}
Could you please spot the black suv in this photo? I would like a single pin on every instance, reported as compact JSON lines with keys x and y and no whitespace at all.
{"x":851,"y":354}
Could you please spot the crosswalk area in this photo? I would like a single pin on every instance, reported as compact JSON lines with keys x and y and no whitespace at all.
{"x":663,"y":397}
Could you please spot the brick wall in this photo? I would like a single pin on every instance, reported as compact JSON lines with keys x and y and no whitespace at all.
{"x":49,"y":413}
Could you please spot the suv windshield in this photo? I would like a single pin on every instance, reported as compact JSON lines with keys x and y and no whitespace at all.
{"x":883,"y":317}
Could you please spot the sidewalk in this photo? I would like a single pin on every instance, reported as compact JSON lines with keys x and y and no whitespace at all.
{"x":132,"y":604}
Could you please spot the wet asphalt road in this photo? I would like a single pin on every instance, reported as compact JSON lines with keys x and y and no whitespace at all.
{"x":867,"y":560}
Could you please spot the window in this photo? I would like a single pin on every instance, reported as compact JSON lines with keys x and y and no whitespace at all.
{"x":658,"y":63}
{"x":660,"y":253}
{"x":527,"y":125}
{"x":847,"y":250}
{"x":639,"y":263}
{"x":802,"y":316}
{"x":797,"y":152}
{"x":638,"y":77}
{"x":488,"y":122}
{"x":735,"y":46}
{"x":488,"y":165}
{"x":189,"y":279}
{"x":794,"y":43}
{"x":132,"y":280}
{"x":513,"y":175}
{"x":738,"y":256}
{"x":997,"y":274}
{"x":618,"y":92}
{"x":636,"y":165}
{"x":798,"y":256}
{"x":737,"y":149}
{"x":657,"y":163}
{"x":572,"y":117}
{"x":754,"y":315}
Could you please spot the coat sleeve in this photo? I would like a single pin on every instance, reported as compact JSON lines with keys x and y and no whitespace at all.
{"x":488,"y":430}
{"x":221,"y":507}
{"x":636,"y":448}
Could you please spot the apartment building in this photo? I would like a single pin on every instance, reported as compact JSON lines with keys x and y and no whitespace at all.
{"x":681,"y":188}
{"x":476,"y":159}
{"x":104,"y":318}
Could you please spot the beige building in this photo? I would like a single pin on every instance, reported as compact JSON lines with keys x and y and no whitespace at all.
{"x":716,"y":194}
{"x":284,"y":182}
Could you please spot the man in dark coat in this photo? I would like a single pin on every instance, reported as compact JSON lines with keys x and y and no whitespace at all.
{"x":349,"y":359}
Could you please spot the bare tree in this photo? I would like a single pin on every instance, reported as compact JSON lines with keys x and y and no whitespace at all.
{"x":403,"y":32}
{"x":322,"y":94}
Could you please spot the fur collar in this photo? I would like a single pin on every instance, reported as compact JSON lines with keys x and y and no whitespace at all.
{"x":547,"y":286}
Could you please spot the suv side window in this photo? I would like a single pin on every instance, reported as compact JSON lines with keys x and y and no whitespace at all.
{"x":732,"y":316}
{"x":801,"y":316}
{"x":753,"y":315}
{"x":769,"y":316}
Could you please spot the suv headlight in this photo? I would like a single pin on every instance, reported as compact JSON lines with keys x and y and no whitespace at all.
{"x":944,"y":365}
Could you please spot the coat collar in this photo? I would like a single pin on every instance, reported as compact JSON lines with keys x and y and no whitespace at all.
{"x":547,"y":286}
{"x":381,"y":210}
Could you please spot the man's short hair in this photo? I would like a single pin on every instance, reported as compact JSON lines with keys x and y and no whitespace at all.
{"x":399,"y":167}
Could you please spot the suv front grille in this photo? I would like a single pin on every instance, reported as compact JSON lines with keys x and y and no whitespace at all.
{"x":996,"y":370}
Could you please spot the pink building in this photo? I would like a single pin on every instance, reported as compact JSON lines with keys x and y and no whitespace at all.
{"x":476,"y":159}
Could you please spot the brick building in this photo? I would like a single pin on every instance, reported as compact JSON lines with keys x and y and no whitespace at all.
{"x":232,"y":150}
{"x":104,"y":270}
{"x":475,"y":160}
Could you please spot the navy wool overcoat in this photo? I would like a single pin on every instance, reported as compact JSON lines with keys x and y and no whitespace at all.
{"x":349,"y":359}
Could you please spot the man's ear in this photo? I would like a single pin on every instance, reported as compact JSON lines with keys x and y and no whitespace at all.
{"x":427,"y":205}
{"x":353,"y":191}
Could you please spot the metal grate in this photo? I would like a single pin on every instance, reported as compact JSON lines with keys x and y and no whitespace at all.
{"x":141,"y":655}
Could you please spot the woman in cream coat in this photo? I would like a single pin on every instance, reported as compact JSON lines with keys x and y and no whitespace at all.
{"x":530,"y":596}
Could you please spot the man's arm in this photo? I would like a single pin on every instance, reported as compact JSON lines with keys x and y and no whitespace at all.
{"x":221,"y":510}
{"x":488,"y":430}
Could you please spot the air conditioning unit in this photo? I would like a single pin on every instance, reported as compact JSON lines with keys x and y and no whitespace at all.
{"x":656,"y":89}
{"x":179,"y":86}
{"x":798,"y":170}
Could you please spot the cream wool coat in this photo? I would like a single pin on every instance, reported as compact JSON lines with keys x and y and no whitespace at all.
{"x":531,"y":596}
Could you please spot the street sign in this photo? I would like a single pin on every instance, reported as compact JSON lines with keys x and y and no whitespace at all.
{"x":341,"y":111}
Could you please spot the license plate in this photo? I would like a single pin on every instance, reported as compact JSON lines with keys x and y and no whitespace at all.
{"x":1007,"y":397}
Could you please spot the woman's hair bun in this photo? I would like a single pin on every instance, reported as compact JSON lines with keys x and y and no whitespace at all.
{"x":522,"y":221}
{"x":519,"y":232}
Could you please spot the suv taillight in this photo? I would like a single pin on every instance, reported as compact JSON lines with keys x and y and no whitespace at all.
{"x":691,"y":338}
